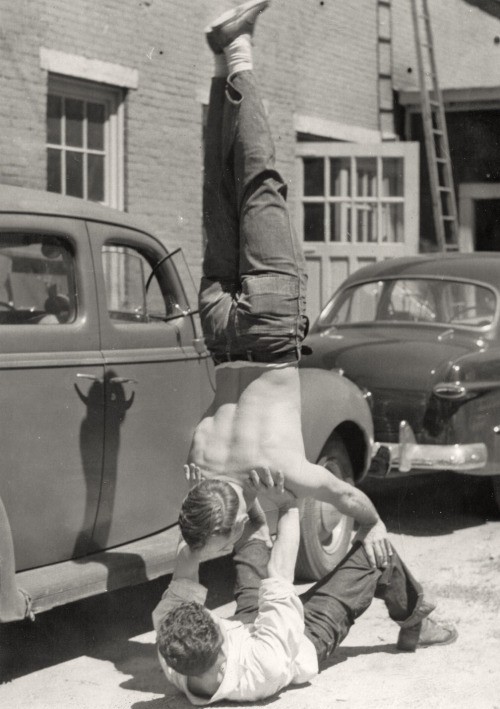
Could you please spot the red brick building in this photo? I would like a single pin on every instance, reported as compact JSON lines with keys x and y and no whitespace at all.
{"x":105,"y":100}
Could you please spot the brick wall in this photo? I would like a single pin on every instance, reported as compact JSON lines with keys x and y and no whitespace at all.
{"x":466,"y":39}
{"x":337,"y":61}
{"x":314,"y":57}
{"x":23,"y":98}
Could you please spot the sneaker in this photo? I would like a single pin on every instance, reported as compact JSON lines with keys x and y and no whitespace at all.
{"x":239,"y":20}
{"x":426,"y":633}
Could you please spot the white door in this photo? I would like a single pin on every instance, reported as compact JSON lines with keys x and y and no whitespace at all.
{"x":479,"y":210}
{"x":357,"y":204}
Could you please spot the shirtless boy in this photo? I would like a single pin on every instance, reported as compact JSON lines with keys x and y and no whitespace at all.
{"x":252,"y":307}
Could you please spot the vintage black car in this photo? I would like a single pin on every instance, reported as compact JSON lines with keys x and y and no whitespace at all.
{"x":421,"y":337}
{"x":103,"y":377}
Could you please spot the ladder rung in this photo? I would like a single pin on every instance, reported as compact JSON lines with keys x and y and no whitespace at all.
{"x":442,"y":160}
{"x":444,"y":189}
{"x":448,"y":218}
{"x":438,"y":131}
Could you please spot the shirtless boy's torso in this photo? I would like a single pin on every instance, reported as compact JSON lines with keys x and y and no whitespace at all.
{"x":254,"y":420}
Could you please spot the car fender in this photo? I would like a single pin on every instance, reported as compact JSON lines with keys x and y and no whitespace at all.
{"x":475,"y":381}
{"x":15,"y":604}
{"x":331,"y":403}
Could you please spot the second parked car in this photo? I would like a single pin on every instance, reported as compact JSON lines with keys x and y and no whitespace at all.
{"x":421,"y":336}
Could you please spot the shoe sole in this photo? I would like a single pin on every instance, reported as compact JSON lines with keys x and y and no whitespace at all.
{"x":410,"y":647}
{"x":235,"y":13}
{"x":451,"y":639}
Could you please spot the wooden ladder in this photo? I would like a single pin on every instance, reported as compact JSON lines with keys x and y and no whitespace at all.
{"x":444,"y":203}
{"x":384,"y":62}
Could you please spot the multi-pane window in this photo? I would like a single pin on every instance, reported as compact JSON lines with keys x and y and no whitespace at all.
{"x":76,"y":150}
{"x":356,"y":199}
{"x":82,"y":142}
{"x":357,"y":203}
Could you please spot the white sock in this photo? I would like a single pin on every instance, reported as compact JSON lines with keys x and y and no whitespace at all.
{"x":220,"y":65}
{"x":239,"y":54}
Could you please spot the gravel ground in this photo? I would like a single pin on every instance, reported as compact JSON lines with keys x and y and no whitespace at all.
{"x":99,"y":654}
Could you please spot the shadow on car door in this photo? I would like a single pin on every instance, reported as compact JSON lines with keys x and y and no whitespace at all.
{"x":154,"y":385}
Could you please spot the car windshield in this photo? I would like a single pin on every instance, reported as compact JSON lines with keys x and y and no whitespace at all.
{"x":415,"y":300}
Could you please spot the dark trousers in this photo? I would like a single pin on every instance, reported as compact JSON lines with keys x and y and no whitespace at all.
{"x":332,"y":605}
{"x":253,"y":290}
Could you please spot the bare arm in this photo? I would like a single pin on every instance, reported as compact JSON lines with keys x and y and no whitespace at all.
{"x":310,"y":480}
{"x":316,"y":481}
{"x":351,"y":501}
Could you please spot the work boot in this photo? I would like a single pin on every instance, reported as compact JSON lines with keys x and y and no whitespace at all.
{"x":239,"y":20}
{"x":426,"y":633}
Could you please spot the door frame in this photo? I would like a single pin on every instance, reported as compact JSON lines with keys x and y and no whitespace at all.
{"x":468,"y":193}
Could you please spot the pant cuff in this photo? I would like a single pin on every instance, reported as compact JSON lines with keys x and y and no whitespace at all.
{"x":422,"y":609}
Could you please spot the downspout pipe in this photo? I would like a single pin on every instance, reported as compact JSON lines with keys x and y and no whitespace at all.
{"x":15,"y":604}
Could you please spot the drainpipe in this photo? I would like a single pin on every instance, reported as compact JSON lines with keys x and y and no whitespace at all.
{"x":15,"y":604}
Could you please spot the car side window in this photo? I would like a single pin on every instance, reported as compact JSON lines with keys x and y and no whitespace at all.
{"x":412,"y":300}
{"x":139,"y":287}
{"x":356,"y":305}
{"x":469,"y":304}
{"x":37,"y":280}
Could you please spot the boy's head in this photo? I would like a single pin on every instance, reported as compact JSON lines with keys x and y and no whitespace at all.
{"x":212,"y":508}
{"x":189,"y":639}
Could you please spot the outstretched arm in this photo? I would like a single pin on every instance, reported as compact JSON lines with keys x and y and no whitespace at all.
{"x":187,"y":563}
{"x":351,"y":501}
{"x":286,"y":545}
{"x":184,"y":585}
{"x":310,"y":480}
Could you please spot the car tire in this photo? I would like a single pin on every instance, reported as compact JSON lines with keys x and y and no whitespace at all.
{"x":325,"y":532}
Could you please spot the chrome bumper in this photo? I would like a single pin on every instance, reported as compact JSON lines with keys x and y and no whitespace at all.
{"x":409,"y":455}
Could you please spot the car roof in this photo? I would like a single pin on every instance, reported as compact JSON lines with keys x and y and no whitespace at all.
{"x":477,"y":266}
{"x":21,"y":200}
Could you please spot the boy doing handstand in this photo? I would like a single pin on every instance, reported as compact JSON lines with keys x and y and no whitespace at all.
{"x":252,"y":307}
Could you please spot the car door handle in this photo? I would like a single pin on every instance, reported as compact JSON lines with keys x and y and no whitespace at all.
{"x":123,"y":380}
{"x":92,"y":377}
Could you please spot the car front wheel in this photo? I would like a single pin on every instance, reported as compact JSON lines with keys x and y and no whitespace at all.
{"x":325,"y":532}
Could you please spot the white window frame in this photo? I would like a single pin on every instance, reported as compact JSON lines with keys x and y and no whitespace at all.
{"x":112,"y":98}
{"x":408,"y":152}
{"x":330,"y":262}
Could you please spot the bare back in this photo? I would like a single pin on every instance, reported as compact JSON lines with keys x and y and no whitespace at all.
{"x":254,"y":420}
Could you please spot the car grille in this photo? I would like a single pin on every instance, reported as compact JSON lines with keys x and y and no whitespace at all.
{"x":390,"y":407}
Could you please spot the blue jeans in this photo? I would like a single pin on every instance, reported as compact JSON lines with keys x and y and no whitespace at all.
{"x":332,"y":605}
{"x":253,"y":291}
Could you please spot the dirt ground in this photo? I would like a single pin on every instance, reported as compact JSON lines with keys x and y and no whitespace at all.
{"x":99,"y":654}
